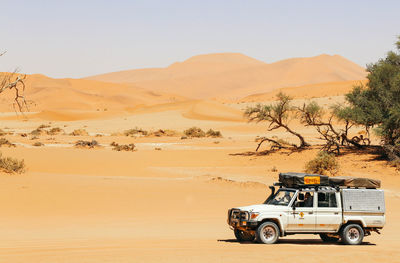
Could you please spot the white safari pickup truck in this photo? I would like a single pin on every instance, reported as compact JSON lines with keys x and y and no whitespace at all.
{"x":335,"y":208}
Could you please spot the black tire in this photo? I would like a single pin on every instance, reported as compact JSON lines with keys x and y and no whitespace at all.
{"x":268,"y":233}
{"x":328,"y":239}
{"x":243,"y":236}
{"x":352,"y":234}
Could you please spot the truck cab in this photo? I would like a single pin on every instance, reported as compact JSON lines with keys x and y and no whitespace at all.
{"x":331,"y":211}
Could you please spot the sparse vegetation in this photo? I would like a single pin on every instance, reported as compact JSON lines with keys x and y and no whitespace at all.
{"x":38,"y":144}
{"x":323,"y":163}
{"x":37,"y":132}
{"x":79,"y":132}
{"x":213,"y":134}
{"x":277,"y":116}
{"x":87,"y":144}
{"x":55,"y":131}
{"x":123,"y":147}
{"x":160,"y":133}
{"x":135,"y":131}
{"x":2,"y":133}
{"x":5,"y":142}
{"x":11,"y":165}
{"x":194,"y":132}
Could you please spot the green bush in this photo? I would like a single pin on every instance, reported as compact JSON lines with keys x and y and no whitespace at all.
{"x":11,"y":165}
{"x":323,"y":163}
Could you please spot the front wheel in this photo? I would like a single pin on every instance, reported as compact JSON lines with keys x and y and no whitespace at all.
{"x":243,"y":236}
{"x":268,"y":233}
{"x":328,"y":239}
{"x":352,"y":234}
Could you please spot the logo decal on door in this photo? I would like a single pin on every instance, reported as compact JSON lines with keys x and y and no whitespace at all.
{"x":301,"y":214}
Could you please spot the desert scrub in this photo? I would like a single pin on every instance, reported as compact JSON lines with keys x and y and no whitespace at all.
{"x":123,"y":147}
{"x":135,"y":131}
{"x":160,"y":133}
{"x":11,"y":165}
{"x":87,"y":144}
{"x":214,"y":134}
{"x":5,"y":142}
{"x":194,"y":132}
{"x":79,"y":132}
{"x":2,"y":133}
{"x":55,"y":131}
{"x":38,"y":132}
{"x":323,"y":163}
{"x":38,"y":144}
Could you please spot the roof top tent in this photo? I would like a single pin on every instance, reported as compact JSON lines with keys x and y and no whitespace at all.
{"x":296,"y":180}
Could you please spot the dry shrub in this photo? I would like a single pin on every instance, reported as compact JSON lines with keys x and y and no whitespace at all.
{"x":38,"y":132}
{"x":161,"y":132}
{"x":43,"y":126}
{"x":123,"y":147}
{"x":11,"y":165}
{"x":79,"y":132}
{"x":38,"y":144}
{"x":135,"y":131}
{"x":55,"y":131}
{"x":5,"y":142}
{"x":194,"y":132}
{"x":323,"y":163}
{"x":214,"y":134}
{"x":87,"y":144}
{"x":2,"y":133}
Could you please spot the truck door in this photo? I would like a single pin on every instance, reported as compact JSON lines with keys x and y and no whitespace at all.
{"x":303,"y":217}
{"x":329,"y":211}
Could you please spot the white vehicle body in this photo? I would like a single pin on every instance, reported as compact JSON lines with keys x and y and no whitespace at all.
{"x":327,"y":214}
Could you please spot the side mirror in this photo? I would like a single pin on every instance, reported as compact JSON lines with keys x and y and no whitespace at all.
{"x":294,"y":206}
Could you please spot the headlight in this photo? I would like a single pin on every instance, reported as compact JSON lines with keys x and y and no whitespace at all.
{"x":253,"y":215}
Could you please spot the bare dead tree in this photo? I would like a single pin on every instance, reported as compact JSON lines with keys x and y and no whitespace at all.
{"x":277,"y":115}
{"x":15,"y":82}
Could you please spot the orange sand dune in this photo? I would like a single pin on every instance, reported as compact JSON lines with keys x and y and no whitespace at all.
{"x":76,"y":94}
{"x":308,"y":91}
{"x":232,"y":75}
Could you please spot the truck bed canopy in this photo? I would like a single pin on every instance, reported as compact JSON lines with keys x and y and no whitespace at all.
{"x":304,"y":179}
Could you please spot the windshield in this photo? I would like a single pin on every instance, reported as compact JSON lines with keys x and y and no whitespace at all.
{"x":282,"y":197}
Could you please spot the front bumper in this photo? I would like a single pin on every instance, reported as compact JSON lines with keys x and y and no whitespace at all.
{"x":240,"y":219}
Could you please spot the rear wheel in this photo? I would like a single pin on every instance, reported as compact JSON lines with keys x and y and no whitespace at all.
{"x":352,"y":234}
{"x":328,"y":239}
{"x":267,"y":233}
{"x":243,"y":236}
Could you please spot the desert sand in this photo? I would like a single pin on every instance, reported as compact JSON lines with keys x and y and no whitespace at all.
{"x":234,"y":76}
{"x":169,"y":204}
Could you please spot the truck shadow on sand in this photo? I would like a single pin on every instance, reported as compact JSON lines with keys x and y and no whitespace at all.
{"x":296,"y":242}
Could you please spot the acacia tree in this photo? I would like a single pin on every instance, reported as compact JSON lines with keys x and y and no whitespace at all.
{"x":313,"y":114}
{"x":277,"y":116}
{"x":378,"y":102}
{"x":15,"y":82}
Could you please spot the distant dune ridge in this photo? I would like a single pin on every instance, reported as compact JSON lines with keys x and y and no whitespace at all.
{"x":230,"y":77}
{"x":80,"y":94}
{"x":234,"y":75}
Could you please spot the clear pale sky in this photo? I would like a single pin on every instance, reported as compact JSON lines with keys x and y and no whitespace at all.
{"x":82,"y":38}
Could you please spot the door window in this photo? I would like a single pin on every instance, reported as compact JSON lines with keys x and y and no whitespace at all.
{"x":327,"y":199}
{"x":305,"y":199}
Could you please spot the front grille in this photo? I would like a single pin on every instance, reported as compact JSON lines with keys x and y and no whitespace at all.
{"x":236,"y":216}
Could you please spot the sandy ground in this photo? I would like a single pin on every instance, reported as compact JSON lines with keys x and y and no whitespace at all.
{"x":168,"y":205}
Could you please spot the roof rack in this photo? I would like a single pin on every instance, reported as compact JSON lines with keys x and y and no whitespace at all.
{"x":301,"y":180}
